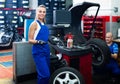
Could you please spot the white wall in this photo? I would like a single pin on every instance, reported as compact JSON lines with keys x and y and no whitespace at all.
{"x":115,"y":3}
{"x":106,"y":6}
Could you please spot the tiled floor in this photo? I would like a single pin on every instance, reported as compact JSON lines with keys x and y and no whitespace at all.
{"x":6,"y":66}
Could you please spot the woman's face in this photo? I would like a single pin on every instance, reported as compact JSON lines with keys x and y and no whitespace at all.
{"x":41,"y":12}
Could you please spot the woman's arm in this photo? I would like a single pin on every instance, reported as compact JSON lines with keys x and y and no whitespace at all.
{"x":32,"y":30}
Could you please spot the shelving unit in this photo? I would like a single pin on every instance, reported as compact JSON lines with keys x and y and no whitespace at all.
{"x":10,"y":12}
{"x":21,"y":7}
{"x":99,"y":27}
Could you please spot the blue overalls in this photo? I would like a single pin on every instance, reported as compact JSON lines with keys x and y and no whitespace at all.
{"x":113,"y":65}
{"x":41,"y":55}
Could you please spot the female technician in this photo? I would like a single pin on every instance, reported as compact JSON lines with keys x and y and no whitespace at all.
{"x":38,"y":36}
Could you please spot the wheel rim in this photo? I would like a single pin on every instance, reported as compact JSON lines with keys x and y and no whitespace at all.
{"x":66,"y":77}
{"x":98,"y":57}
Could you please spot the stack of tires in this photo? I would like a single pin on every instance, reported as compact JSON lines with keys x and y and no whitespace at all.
{"x":11,"y":4}
{"x":42,"y":2}
{"x":11,"y":18}
{"x":2,"y":12}
{"x":55,"y":4}
{"x":2,"y":3}
{"x":2,"y":18}
{"x":10,"y":13}
{"x":24,"y":4}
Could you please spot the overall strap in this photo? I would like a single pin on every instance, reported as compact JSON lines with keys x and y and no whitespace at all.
{"x":38,"y":22}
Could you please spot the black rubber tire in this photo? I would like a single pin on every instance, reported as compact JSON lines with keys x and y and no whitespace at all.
{"x":101,"y":52}
{"x":66,"y":75}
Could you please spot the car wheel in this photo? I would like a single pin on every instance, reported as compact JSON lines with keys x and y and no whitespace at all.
{"x":101,"y":52}
{"x":66,"y":75}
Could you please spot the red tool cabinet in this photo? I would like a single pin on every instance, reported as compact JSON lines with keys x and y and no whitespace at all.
{"x":99,"y":26}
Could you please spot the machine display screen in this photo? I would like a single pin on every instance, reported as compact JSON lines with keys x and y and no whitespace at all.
{"x":61,"y":18}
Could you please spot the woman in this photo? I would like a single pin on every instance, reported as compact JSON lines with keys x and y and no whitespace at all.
{"x":38,"y":36}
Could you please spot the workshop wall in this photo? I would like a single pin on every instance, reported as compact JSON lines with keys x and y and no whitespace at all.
{"x":108,"y":9}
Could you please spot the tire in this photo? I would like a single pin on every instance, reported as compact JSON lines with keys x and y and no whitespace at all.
{"x":101,"y":52}
{"x":66,"y":75}
{"x":56,"y":64}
